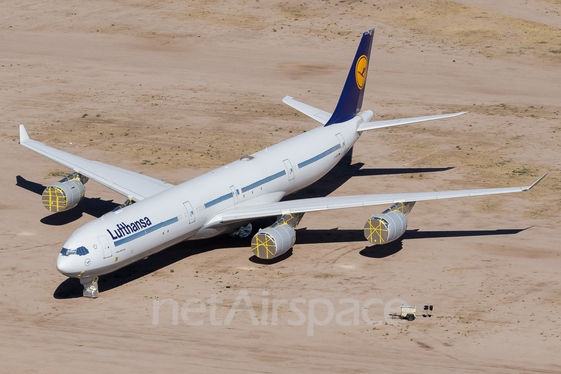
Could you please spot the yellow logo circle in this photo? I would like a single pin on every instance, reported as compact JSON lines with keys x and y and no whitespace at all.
{"x":360,"y":71}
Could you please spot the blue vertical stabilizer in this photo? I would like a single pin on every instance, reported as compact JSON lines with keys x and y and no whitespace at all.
{"x":350,"y":101}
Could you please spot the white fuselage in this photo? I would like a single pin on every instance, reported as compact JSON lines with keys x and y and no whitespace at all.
{"x":181,"y":213}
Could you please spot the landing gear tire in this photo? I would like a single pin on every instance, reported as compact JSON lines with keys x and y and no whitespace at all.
{"x":242,"y":232}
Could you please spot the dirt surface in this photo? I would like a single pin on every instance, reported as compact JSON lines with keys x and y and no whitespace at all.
{"x":176,"y":88}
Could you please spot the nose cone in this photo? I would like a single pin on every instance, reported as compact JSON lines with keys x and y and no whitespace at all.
{"x":67,"y":265}
{"x":64,"y":264}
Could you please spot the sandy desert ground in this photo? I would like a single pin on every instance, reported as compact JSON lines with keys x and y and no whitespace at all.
{"x":176,"y":88}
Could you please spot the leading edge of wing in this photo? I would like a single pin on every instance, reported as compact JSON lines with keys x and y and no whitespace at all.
{"x":342,"y":202}
{"x":133,"y":185}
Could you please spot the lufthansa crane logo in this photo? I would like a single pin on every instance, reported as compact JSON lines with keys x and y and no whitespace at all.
{"x":360,"y":71}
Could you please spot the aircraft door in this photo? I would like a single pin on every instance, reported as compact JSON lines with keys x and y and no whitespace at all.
{"x":234,"y":194}
{"x":190,"y":211}
{"x":107,"y":252}
{"x":289,"y":169}
{"x":341,"y":142}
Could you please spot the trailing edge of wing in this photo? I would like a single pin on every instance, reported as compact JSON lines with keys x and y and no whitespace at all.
{"x":403,"y":121}
{"x":128,"y":183}
{"x":314,"y":113}
{"x":342,"y":202}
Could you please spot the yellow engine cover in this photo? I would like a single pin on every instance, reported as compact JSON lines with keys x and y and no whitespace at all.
{"x":63,"y":195}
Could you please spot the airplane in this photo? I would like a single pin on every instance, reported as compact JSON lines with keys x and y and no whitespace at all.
{"x":157,"y":215}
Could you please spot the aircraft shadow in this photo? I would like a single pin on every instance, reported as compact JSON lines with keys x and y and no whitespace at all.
{"x":71,"y":287}
{"x":305,"y":236}
{"x":30,"y":186}
{"x":95,"y":207}
{"x":345,"y":170}
{"x":391,"y":171}
{"x":382,"y":251}
{"x":261,"y":261}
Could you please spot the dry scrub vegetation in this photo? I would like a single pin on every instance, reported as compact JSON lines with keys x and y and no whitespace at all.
{"x":489,"y":33}
{"x":177,"y":143}
{"x":166,"y":133}
{"x":486,"y":157}
{"x":444,"y":22}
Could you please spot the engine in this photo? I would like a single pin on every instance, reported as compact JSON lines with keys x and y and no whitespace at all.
{"x":276,"y":239}
{"x":389,"y":225}
{"x":65,"y":194}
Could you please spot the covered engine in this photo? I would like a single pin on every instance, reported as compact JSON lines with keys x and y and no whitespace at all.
{"x":389,"y":225}
{"x":276,"y":239}
{"x":65,"y":194}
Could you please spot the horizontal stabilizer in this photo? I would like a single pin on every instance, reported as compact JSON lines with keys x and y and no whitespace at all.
{"x":403,"y":121}
{"x":314,"y":113}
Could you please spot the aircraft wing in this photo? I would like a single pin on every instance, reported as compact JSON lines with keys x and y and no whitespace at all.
{"x":314,"y":113}
{"x":342,"y":202}
{"x":128,"y":183}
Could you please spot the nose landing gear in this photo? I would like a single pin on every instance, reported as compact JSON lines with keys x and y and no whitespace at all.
{"x":90,"y":286}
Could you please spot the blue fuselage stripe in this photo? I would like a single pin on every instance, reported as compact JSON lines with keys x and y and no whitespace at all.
{"x":319,"y":157}
{"x":263,"y":181}
{"x":219,"y":200}
{"x":146,"y":231}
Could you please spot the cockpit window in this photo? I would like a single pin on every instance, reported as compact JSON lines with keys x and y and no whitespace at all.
{"x":80,"y":251}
